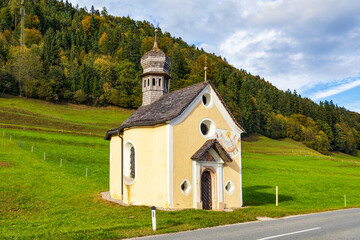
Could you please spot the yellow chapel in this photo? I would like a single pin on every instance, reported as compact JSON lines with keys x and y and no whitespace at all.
{"x":180,"y":149}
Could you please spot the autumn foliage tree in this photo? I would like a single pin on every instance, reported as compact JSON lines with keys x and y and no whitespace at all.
{"x":90,"y":57}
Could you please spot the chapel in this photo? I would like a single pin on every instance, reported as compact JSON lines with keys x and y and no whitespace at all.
{"x":180,"y":149}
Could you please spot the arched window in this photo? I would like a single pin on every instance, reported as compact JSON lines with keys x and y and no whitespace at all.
{"x":159,"y":82}
{"x":144,"y":83}
{"x":132,"y":162}
{"x":165,"y":86}
{"x":153,"y":81}
{"x":148,"y":81}
{"x":129,"y":163}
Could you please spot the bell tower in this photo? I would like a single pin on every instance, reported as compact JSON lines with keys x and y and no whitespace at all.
{"x":155,"y":77}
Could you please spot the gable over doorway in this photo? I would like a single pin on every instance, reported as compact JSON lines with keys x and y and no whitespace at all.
{"x":208,"y":175}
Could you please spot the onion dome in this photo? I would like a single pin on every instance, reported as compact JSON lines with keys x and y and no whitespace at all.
{"x":155,"y":61}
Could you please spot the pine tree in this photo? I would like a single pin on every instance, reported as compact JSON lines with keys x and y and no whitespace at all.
{"x":51,"y":49}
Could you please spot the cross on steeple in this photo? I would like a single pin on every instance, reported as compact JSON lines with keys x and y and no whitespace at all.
{"x":205,"y":68}
{"x":155,"y":42}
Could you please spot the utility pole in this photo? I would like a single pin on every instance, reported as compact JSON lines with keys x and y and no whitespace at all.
{"x":22,"y":37}
{"x":22,"y":13}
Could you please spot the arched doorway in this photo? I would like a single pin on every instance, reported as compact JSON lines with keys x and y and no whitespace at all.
{"x":206,"y":193}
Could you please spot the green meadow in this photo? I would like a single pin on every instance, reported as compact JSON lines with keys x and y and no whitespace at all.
{"x":41,"y":200}
{"x":35,"y":114}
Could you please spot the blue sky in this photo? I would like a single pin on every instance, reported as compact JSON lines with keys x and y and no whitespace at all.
{"x":312,"y":46}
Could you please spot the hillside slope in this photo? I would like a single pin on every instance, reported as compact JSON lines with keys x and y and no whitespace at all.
{"x":18,"y":112}
{"x":93,"y":58}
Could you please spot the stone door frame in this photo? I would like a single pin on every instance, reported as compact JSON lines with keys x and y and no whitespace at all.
{"x":216,"y":170}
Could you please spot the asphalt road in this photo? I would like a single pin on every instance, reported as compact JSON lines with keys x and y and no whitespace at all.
{"x":341,"y":224}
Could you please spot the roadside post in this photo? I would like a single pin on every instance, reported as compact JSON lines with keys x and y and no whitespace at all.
{"x":153,"y":216}
{"x":277,"y":196}
{"x":345,"y":199}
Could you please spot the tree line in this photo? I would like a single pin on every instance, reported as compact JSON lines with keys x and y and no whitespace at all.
{"x":73,"y":54}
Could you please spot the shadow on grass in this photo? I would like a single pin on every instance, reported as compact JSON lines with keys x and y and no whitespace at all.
{"x":253,"y":196}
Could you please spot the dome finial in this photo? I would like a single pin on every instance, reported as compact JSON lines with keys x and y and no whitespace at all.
{"x":155,"y":42}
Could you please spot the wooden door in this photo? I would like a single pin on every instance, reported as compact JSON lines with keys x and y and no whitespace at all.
{"x":206,"y":194}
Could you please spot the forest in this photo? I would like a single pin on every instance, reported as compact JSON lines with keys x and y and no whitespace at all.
{"x":72,"y":54}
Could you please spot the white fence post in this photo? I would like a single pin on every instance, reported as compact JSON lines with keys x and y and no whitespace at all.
{"x":277,"y":196}
{"x":345,"y":199}
{"x":153,"y":217}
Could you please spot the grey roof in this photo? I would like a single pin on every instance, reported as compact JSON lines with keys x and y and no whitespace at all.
{"x":155,"y":52}
{"x":213,"y":143}
{"x":155,"y":60}
{"x":166,"y":108}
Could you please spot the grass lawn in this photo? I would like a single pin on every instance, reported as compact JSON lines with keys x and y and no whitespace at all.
{"x":38,"y":199}
{"x":40,"y":115}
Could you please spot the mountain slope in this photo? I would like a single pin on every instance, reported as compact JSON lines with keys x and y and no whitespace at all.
{"x":92,"y":57}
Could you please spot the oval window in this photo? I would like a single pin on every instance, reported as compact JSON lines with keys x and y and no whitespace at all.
{"x":207,"y":128}
{"x":185,"y":187}
{"x":206,"y":100}
{"x":229,"y":187}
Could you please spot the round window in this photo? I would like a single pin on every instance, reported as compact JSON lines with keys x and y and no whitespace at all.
{"x":207,"y":128}
{"x":229,"y":187}
{"x":185,"y":187}
{"x":204,"y":129}
{"x":206,"y":99}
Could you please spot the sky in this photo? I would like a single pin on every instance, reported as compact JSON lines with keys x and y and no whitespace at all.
{"x":311,"y":46}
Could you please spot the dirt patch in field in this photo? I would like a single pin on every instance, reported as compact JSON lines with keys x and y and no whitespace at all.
{"x":4,"y":164}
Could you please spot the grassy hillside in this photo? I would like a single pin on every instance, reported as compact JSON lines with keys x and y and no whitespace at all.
{"x":41,"y":115}
{"x":38,"y":199}
{"x":307,"y":180}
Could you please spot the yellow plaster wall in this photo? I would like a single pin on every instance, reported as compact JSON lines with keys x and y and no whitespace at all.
{"x":149,"y":187}
{"x":187,"y":140}
{"x":115,"y":167}
{"x":231,"y":172}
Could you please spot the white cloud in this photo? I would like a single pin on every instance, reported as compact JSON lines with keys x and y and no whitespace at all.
{"x":295,"y":44}
{"x":335,"y":90}
{"x":354,"y":106}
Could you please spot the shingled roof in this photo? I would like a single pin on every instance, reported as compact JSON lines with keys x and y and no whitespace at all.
{"x":213,"y":143}
{"x":166,"y":108}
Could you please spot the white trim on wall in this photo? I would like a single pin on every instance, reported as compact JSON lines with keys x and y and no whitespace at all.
{"x":169,"y":133}
{"x":240,"y":174}
{"x":195,"y":183}
{"x":223,"y":111}
{"x":214,"y":100}
{"x":189,"y":109}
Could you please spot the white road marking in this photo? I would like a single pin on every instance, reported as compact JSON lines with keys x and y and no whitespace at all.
{"x":286,"y":234}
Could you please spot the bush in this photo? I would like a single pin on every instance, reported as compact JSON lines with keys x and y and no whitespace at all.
{"x":79,"y":96}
